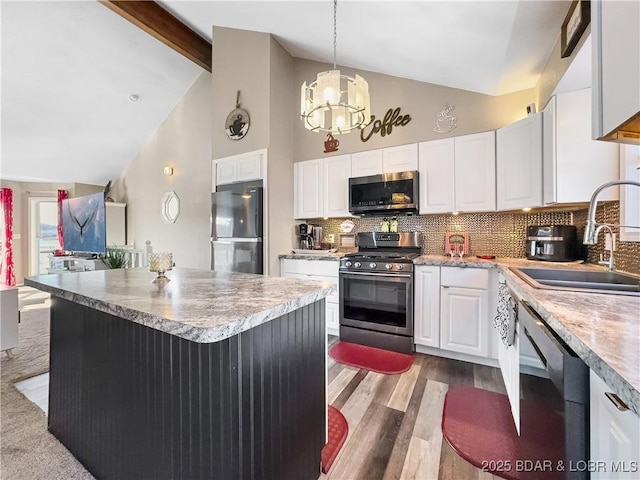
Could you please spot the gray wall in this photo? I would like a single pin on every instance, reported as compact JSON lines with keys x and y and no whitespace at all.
{"x":475,"y":112}
{"x":182,"y":141}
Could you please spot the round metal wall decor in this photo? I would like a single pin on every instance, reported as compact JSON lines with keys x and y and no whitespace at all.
{"x":237,"y":124}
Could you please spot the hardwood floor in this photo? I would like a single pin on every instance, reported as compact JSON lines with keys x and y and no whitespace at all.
{"x":394,"y":420}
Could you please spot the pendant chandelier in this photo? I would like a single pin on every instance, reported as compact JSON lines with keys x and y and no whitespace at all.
{"x":335,"y":103}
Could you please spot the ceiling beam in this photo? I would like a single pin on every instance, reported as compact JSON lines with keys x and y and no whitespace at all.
{"x":159,"y":23}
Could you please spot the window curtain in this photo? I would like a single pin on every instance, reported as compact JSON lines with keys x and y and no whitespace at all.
{"x":62,"y":194}
{"x":7,"y":273}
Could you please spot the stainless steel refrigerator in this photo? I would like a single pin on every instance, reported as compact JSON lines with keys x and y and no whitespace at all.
{"x":236,"y":231}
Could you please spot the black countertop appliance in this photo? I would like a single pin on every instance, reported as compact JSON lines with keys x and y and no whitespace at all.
{"x":553,"y":243}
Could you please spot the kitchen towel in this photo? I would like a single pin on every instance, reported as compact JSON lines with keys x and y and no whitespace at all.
{"x":506,"y":316}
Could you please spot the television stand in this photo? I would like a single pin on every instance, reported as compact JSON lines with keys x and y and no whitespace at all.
{"x":75,"y":264}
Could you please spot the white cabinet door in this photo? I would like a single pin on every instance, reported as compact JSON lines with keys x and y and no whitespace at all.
{"x":368,"y":163}
{"x":509,"y":361}
{"x":549,"y":181}
{"x":336,"y":173}
{"x":464,"y":323}
{"x":226,"y":171}
{"x":616,"y":64}
{"x":427,"y":306}
{"x":615,"y":435}
{"x":403,"y":158}
{"x":332,"y":315}
{"x":630,"y":196}
{"x":475,"y":177}
{"x":249,"y":168}
{"x":519,"y":164}
{"x":582,"y":164}
{"x":308,"y":189}
{"x":436,"y":171}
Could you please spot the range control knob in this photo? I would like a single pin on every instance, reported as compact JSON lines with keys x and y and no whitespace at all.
{"x":357,"y":265}
{"x":347,"y":264}
{"x":388,"y":266}
{"x":372,"y":265}
{"x":399,"y":266}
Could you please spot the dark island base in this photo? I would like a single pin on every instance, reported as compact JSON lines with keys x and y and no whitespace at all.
{"x":131,"y":402}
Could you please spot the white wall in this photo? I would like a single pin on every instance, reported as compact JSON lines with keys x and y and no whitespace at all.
{"x":183,"y":141}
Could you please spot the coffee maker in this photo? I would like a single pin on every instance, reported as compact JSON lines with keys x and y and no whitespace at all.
{"x":553,"y":243}
{"x":305,"y":233}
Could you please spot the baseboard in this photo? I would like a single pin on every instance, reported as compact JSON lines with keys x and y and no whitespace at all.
{"x":489,"y":362}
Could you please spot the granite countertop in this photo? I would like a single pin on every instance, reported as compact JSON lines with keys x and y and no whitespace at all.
{"x":603,"y":329}
{"x":199,"y":305}
{"x":313,"y":256}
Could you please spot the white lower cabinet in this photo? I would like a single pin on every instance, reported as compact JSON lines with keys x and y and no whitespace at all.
{"x":453,"y":307}
{"x":615,"y":436}
{"x":320,"y":271}
{"x":464,"y":323}
{"x":427,"y":306}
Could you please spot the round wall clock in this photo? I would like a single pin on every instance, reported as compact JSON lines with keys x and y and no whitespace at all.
{"x":237,"y":124}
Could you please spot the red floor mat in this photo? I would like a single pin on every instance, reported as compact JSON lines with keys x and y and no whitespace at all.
{"x":338,"y":431}
{"x":479,"y":427}
{"x":369,"y":358}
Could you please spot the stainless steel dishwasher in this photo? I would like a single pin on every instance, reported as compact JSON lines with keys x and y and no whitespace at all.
{"x":565,"y":392}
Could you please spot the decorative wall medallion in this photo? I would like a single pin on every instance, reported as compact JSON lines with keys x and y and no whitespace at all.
{"x":445,"y":122}
{"x":391,"y":119}
{"x":237,"y":124}
{"x":331,"y":144}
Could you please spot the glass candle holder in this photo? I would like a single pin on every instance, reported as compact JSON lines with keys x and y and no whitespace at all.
{"x":160,"y":262}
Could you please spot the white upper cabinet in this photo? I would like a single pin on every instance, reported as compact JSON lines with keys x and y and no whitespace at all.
{"x":616,"y":65}
{"x":321,"y":187}
{"x":403,"y":158}
{"x":364,"y":164}
{"x":308,"y":189}
{"x":458,"y":174}
{"x":475,"y":184}
{"x":336,"y":173}
{"x":630,"y":195}
{"x":238,"y":168}
{"x":437,"y":176}
{"x":574,"y":165}
{"x":519,"y":164}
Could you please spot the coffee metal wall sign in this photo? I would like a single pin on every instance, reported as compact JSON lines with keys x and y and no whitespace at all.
{"x":385,"y":126}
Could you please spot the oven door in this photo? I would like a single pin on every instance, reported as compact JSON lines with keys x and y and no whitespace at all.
{"x":377,"y":301}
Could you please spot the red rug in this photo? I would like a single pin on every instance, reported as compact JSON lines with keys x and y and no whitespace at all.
{"x":479,"y":427}
{"x":338,"y":431}
{"x":369,"y":358}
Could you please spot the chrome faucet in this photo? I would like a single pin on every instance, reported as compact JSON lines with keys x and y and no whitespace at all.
{"x":592,"y":230}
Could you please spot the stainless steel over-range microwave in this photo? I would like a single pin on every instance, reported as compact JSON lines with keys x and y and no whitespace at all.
{"x":386,"y":193}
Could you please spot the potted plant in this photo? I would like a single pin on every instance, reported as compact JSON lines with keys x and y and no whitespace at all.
{"x":115,"y":258}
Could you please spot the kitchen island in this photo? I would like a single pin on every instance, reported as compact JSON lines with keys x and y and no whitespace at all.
{"x":212,"y":375}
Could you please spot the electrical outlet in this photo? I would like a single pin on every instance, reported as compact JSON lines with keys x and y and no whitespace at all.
{"x":331,"y":238}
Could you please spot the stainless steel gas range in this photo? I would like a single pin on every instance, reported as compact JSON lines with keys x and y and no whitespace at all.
{"x":376,"y":291}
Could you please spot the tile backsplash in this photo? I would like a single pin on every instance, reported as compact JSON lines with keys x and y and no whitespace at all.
{"x":499,"y":234}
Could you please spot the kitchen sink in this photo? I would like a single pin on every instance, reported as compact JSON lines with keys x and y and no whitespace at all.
{"x":580,"y":280}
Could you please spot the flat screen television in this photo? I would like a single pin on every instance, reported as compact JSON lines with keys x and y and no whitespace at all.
{"x":84,"y":224}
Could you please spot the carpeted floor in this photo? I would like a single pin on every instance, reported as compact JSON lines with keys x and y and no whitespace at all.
{"x":28,"y":451}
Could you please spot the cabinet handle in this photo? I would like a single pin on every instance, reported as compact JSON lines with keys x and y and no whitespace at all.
{"x":445,"y":286}
{"x":615,"y":399}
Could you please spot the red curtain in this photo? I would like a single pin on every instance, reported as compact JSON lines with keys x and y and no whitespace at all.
{"x":62,"y":194}
{"x":7,"y":273}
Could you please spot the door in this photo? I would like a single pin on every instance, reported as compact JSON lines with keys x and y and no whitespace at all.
{"x":237,"y":213}
{"x":43,"y":233}
{"x":377,"y":301}
{"x":337,"y":171}
{"x":464,"y":326}
{"x":365,"y":164}
{"x":427,"y":306}
{"x":437,"y":176}
{"x":308,"y":189}
{"x":242,"y":255}
{"x":475,"y":176}
{"x":403,"y":158}
{"x":519,"y":164}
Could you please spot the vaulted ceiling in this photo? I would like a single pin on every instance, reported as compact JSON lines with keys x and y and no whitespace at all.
{"x":68,"y":68}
